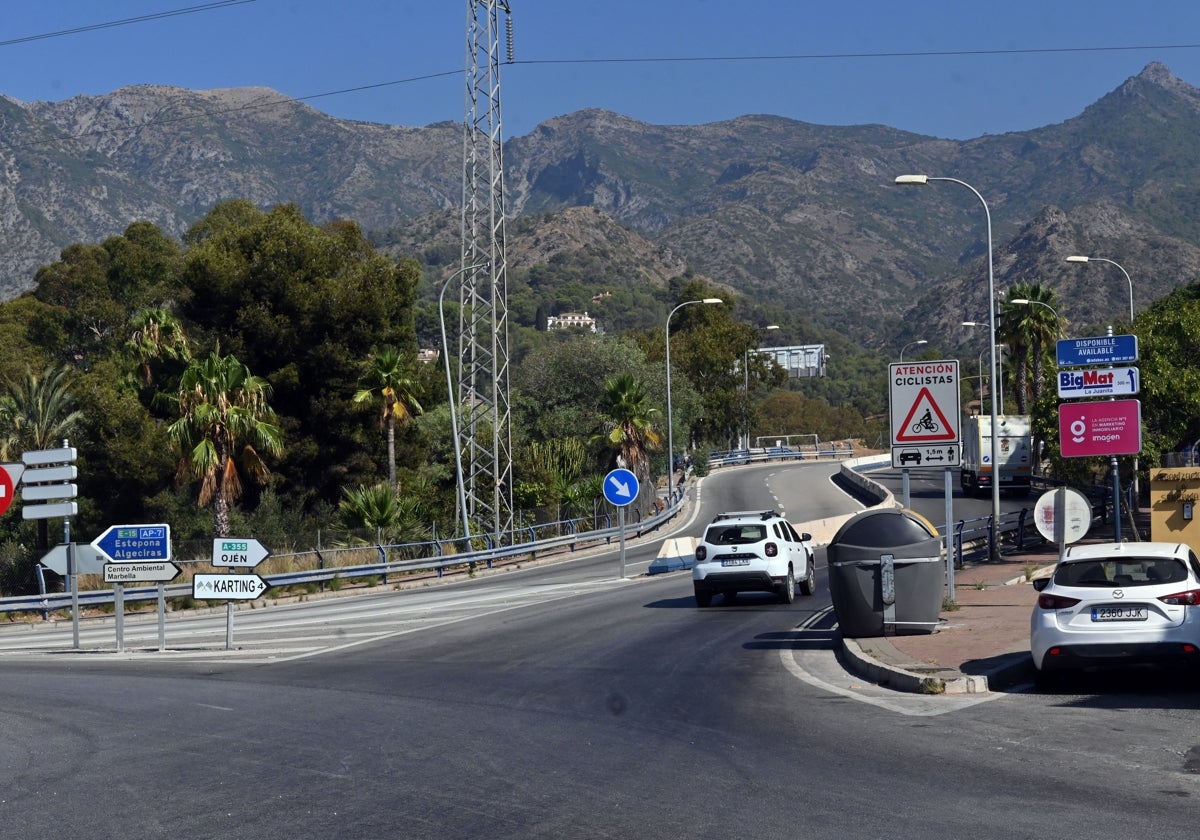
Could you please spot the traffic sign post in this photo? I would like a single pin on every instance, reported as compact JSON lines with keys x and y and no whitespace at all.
{"x":926,"y":428}
{"x":232,"y":552}
{"x":54,"y":468}
{"x":133,"y":545}
{"x":1109,"y":428}
{"x":621,"y":487}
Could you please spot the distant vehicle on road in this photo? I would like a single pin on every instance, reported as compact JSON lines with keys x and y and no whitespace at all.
{"x":753,"y":551}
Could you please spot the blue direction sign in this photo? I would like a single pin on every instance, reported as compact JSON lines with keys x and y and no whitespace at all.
{"x":135,"y":542}
{"x":620,"y":487}
{"x":1101,"y":350}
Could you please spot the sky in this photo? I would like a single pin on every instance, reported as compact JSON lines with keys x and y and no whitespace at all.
{"x":945,"y":68}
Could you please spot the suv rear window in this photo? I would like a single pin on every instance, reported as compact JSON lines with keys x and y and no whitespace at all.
{"x":1128,"y":571}
{"x":735,"y":534}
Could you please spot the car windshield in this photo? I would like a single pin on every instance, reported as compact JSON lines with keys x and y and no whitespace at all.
{"x":736,"y":534}
{"x":1126,"y":571}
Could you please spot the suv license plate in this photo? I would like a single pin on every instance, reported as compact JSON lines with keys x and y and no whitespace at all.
{"x":741,"y":561}
{"x":1118,"y":614}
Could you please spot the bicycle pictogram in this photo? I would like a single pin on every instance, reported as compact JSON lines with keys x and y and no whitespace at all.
{"x":926,"y":424}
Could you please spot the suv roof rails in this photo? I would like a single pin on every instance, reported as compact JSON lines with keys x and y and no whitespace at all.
{"x":745,"y":514}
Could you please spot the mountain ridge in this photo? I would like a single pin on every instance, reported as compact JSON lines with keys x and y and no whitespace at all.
{"x":774,"y":208}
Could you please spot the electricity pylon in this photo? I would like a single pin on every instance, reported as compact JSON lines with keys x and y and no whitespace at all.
{"x":486,"y":430}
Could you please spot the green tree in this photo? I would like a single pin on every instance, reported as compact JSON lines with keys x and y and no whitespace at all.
{"x":37,"y":411}
{"x":390,"y":378}
{"x":155,"y":335}
{"x":302,"y":306}
{"x":224,"y":420}
{"x":1029,"y":330}
{"x":627,"y":424}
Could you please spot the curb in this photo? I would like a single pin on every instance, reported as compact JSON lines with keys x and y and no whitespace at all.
{"x":868,"y":658}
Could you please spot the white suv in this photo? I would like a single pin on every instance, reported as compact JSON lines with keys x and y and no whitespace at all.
{"x":753,"y":551}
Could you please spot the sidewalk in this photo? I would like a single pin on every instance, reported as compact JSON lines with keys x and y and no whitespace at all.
{"x":981,"y":645}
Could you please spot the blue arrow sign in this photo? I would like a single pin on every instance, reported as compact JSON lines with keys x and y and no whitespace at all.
{"x":135,"y":542}
{"x":620,"y":487}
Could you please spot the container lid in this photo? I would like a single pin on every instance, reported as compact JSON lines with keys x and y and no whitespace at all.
{"x":885,"y":527}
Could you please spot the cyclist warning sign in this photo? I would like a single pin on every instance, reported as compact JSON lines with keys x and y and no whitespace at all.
{"x":924,"y":402}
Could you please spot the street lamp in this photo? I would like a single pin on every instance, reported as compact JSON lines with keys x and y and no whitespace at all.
{"x":1079,"y":259}
{"x":746,"y":374}
{"x":910,"y":344}
{"x":924,"y":179}
{"x":670,"y":430}
{"x":452,"y":398}
{"x":1028,"y":302}
{"x":996,"y":385}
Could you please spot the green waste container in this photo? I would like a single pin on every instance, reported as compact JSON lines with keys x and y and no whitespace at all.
{"x":886,"y":574}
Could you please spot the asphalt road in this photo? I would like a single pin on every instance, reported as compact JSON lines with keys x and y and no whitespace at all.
{"x":563,"y":702}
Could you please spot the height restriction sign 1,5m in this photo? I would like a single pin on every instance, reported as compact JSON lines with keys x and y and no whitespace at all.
{"x":924,"y":403}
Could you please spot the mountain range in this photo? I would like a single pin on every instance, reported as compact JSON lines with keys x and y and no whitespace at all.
{"x":805,"y":216}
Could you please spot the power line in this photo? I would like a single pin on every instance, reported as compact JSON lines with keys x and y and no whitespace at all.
{"x":832,"y":56}
{"x":92,"y":27}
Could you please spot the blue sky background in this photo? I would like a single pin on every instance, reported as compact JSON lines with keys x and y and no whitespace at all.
{"x":304,"y":48}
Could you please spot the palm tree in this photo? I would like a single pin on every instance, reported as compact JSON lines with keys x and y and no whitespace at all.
{"x":156,"y":334}
{"x":222,"y":407}
{"x":37,"y":413}
{"x":1028,"y":330}
{"x":628,"y":423}
{"x":389,"y":374}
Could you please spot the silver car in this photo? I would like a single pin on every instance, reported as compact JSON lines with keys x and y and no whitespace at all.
{"x":1117,"y":604}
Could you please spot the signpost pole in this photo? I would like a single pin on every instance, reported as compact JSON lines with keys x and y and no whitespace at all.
{"x":229,"y":625}
{"x":949,"y":491}
{"x":72,"y":582}
{"x":621,"y":523}
{"x":119,"y":610}
{"x":162,"y":618}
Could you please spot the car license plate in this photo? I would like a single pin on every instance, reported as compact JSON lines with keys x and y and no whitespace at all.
{"x":1118,"y":613}
{"x":738,"y":561}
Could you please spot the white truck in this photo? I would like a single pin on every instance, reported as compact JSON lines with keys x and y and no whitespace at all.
{"x":1014,"y":453}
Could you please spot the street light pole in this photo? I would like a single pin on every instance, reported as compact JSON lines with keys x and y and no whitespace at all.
{"x":910,"y":344}
{"x":670,"y":427}
{"x":1081,"y":259}
{"x":923,"y":179}
{"x":452,"y":399}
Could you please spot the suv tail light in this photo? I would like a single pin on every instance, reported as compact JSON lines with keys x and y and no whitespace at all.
{"x":770,"y":549}
{"x":701,"y":553}
{"x":1056,"y":602}
{"x":1187,"y":599}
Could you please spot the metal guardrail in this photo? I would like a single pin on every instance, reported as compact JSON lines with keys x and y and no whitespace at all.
{"x":435,"y":560}
{"x":738,"y":457}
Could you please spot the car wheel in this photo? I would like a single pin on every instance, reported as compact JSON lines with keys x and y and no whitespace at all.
{"x":703,"y":599}
{"x":787,"y":591}
{"x":1049,"y":680}
{"x":809,"y":585}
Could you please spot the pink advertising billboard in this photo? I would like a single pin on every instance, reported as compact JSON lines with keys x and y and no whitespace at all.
{"x":1111,"y":427}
